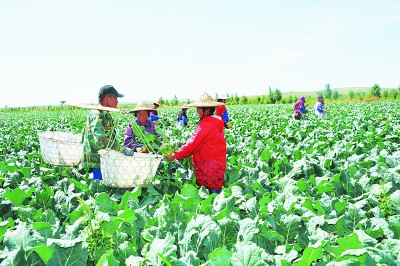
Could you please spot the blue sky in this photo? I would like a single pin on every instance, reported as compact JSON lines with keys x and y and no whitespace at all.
{"x":66,"y":50}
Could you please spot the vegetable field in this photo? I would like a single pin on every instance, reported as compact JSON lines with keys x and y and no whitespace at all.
{"x":312,"y":192}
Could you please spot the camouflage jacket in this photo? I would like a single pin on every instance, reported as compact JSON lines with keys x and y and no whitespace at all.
{"x":99,"y":133}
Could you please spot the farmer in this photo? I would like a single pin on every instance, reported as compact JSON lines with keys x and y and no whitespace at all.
{"x":299,"y":108}
{"x":153,"y":112}
{"x":207,"y":146}
{"x":182,"y":117}
{"x":320,"y":107}
{"x":222,"y":112}
{"x":99,"y":132}
{"x":141,"y":112}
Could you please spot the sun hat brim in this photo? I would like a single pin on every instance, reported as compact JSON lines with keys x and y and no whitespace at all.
{"x":141,"y":106}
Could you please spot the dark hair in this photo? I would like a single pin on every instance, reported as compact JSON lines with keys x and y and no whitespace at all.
{"x":220,"y":100}
{"x":297,"y":116}
{"x":212,"y":109}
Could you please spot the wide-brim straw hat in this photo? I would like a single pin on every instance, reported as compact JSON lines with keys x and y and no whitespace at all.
{"x":141,"y":106}
{"x":185,"y":106}
{"x":205,"y":100}
{"x":158,"y":103}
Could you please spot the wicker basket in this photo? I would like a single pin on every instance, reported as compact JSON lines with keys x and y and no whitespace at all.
{"x":122,"y":171}
{"x":60,"y":148}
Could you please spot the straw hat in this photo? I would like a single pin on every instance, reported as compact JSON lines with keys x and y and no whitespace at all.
{"x":205,"y":100}
{"x":185,"y":106}
{"x":141,"y":106}
{"x":158,"y":103}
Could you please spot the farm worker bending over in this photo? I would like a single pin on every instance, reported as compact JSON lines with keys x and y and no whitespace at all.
{"x":154,"y":113}
{"x":207,"y":146}
{"x":299,"y":108}
{"x":320,"y":107}
{"x":99,"y":132}
{"x":141,"y":112}
{"x":182,"y":117}
{"x":222,"y":112}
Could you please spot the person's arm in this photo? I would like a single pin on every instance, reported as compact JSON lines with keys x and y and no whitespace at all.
{"x":101,"y":138}
{"x":225,"y":116}
{"x":130,"y":140}
{"x":194,"y":142}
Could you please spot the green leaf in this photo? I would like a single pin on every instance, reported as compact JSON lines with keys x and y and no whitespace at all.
{"x":17,"y":196}
{"x":310,"y":255}
{"x":68,"y":253}
{"x":26,"y":171}
{"x":4,"y":225}
{"x":106,"y":204}
{"x":108,"y":258}
{"x":248,"y":254}
{"x":165,"y":247}
{"x":189,"y":191}
{"x":266,"y":156}
{"x":247,"y":230}
{"x":21,"y":237}
{"x":44,"y":252}
{"x":128,"y":216}
{"x":220,"y":257}
{"x":345,"y":243}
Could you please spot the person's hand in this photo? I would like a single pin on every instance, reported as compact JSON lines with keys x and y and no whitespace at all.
{"x":228,"y":124}
{"x":127,"y":151}
{"x":142,"y":149}
{"x":324,"y":110}
{"x":170,"y":157}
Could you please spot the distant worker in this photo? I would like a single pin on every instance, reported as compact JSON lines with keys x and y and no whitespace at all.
{"x":222,"y":112}
{"x":99,"y":132}
{"x":182,"y":117}
{"x":142,"y":113}
{"x":299,"y":108}
{"x":154,"y":113}
{"x":206,"y":146}
{"x":320,"y":107}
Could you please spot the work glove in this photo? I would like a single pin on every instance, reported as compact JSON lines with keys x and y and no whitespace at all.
{"x":228,"y":124}
{"x":324,"y":110}
{"x":127,"y":151}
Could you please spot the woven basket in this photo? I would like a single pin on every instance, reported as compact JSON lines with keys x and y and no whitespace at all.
{"x":122,"y":171}
{"x":60,"y":148}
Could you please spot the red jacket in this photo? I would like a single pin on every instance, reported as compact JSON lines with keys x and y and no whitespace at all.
{"x":219,"y":110}
{"x":207,"y":147}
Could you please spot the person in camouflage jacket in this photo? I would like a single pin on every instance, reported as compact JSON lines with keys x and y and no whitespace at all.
{"x":99,"y":132}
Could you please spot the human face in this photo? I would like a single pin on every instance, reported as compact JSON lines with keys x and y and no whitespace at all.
{"x":202,"y":113}
{"x":142,"y":116}
{"x":110,"y":100}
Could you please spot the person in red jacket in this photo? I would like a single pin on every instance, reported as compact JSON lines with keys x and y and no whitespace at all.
{"x":207,"y":146}
{"x":222,"y":112}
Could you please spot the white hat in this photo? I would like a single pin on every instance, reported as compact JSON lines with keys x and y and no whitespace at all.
{"x":222,"y":97}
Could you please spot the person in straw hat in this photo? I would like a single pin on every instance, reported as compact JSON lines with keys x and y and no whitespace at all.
{"x":207,"y":146}
{"x":154,"y":113}
{"x":182,"y":117}
{"x":222,"y":112}
{"x":141,"y":112}
{"x":99,"y":133}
